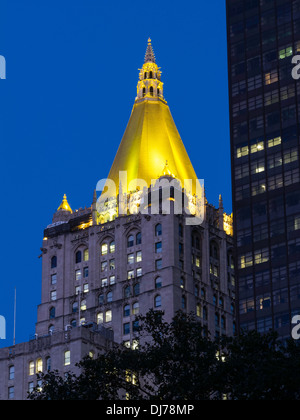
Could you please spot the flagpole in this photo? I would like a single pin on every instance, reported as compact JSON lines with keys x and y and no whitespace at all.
{"x":15,"y":312}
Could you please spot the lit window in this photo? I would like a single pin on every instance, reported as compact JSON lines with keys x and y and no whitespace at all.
{"x":103,"y":266}
{"x":31,"y":369}
{"x":83,"y":305}
{"x":112,"y":280}
{"x":67,"y":358}
{"x":104,"y":282}
{"x":274,"y":142}
{"x":139,"y":256}
{"x":285,"y":52}
{"x":39,"y":365}
{"x":85,"y":288}
{"x":78,"y":275}
{"x":86,"y":255}
{"x":257,"y":147}
{"x":108,"y":316}
{"x":130,"y":274}
{"x":112,"y":247}
{"x":100,"y":318}
{"x":135,"y":308}
{"x":130,"y":258}
{"x":104,"y":249}
{"x":139,"y":272}
{"x":112,"y":264}
{"x":199,"y":310}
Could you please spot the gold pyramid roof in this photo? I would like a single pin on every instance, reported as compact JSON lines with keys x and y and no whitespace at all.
{"x":65,"y":205}
{"x":151,"y":138}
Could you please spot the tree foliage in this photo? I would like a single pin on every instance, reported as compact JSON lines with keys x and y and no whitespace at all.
{"x":176,"y":362}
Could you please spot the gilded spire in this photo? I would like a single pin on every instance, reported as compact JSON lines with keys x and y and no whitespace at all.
{"x":65,"y":205}
{"x":149,"y":57}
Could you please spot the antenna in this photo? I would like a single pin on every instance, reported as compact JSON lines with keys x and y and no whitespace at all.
{"x":15,"y":312}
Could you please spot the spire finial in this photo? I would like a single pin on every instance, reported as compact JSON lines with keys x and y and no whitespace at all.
{"x":149,"y":57}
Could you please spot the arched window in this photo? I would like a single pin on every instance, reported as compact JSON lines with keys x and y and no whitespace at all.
{"x":130,"y":241}
{"x":151,"y":90}
{"x":54,"y":262}
{"x":109,"y":297}
{"x":127,"y":292}
{"x":75,"y":308}
{"x":158,"y":92}
{"x":52,"y":313}
{"x":31,"y":368}
{"x":104,"y":249}
{"x":135,"y":308}
{"x":158,"y":283}
{"x":126,"y":312}
{"x":86,"y":255}
{"x":158,"y":230}
{"x":151,"y":75}
{"x":39,"y":365}
{"x":51,"y":329}
{"x":145,"y":76}
{"x":67,"y":358}
{"x":100,"y":319}
{"x":112,"y":247}
{"x":101,"y":299}
{"x":78,"y":257}
{"x":48,"y":364}
{"x":139,"y":238}
{"x":144,"y":92}
{"x":157,"y":301}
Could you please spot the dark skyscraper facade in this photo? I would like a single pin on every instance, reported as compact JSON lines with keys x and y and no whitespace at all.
{"x":263,"y":38}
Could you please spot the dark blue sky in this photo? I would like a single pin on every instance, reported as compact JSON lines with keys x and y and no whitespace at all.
{"x":72,"y":71}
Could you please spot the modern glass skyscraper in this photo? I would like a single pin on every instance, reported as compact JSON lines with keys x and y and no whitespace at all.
{"x":263,"y":38}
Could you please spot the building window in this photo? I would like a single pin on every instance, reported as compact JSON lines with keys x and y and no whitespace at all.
{"x":112,"y":264}
{"x":78,"y":257}
{"x":67,"y":358}
{"x":108,"y":316}
{"x":75,"y":308}
{"x":54,"y":279}
{"x":126,"y":311}
{"x":48,"y":364}
{"x":157,"y":301}
{"x":135,"y":326}
{"x":104,"y":249}
{"x":85,"y":272}
{"x":136,"y":289}
{"x":158,"y":230}
{"x":158,"y":283}
{"x":11,"y":392}
{"x":126,"y":328}
{"x":86,"y":288}
{"x":54,"y":262}
{"x":138,"y":256}
{"x":158,"y":264}
{"x":112,"y":280}
{"x":182,"y":283}
{"x":130,"y":274}
{"x":139,"y":272}
{"x":112,"y":247}
{"x":103,"y":266}
{"x":53,"y":295}
{"x":127,"y":292}
{"x":78,"y":275}
{"x":130,"y":258}
{"x":183,"y":302}
{"x":135,"y":308}
{"x":31,"y":368}
{"x":100,"y":319}
{"x":51,"y":330}
{"x":104,"y":282}
{"x":39,"y":365}
{"x":52,"y":313}
{"x":83,"y":305}
{"x":109,"y":297}
{"x":139,"y":238}
{"x":86,"y":255}
{"x":11,"y":373}
{"x":130,"y":241}
{"x":158,"y":247}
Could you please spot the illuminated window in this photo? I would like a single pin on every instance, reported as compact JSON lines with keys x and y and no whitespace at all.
{"x":78,"y":275}
{"x":104,"y":266}
{"x":85,"y":288}
{"x":139,"y":272}
{"x":112,"y":247}
{"x":53,"y":295}
{"x":285,"y":52}
{"x":271,"y":77}
{"x":83,"y":305}
{"x":104,"y":282}
{"x":39,"y":365}
{"x":86,"y":255}
{"x":139,"y":256}
{"x":112,"y":264}
{"x":67,"y":358}
{"x":246,"y":260}
{"x":130,"y":258}
{"x":274,"y":142}
{"x":199,"y":310}
{"x":130,"y":274}
{"x":104,"y":249}
{"x":31,"y":368}
{"x":112,"y":280}
{"x":257,"y":147}
{"x":100,"y":319}
{"x":108,"y":316}
{"x":135,"y":308}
